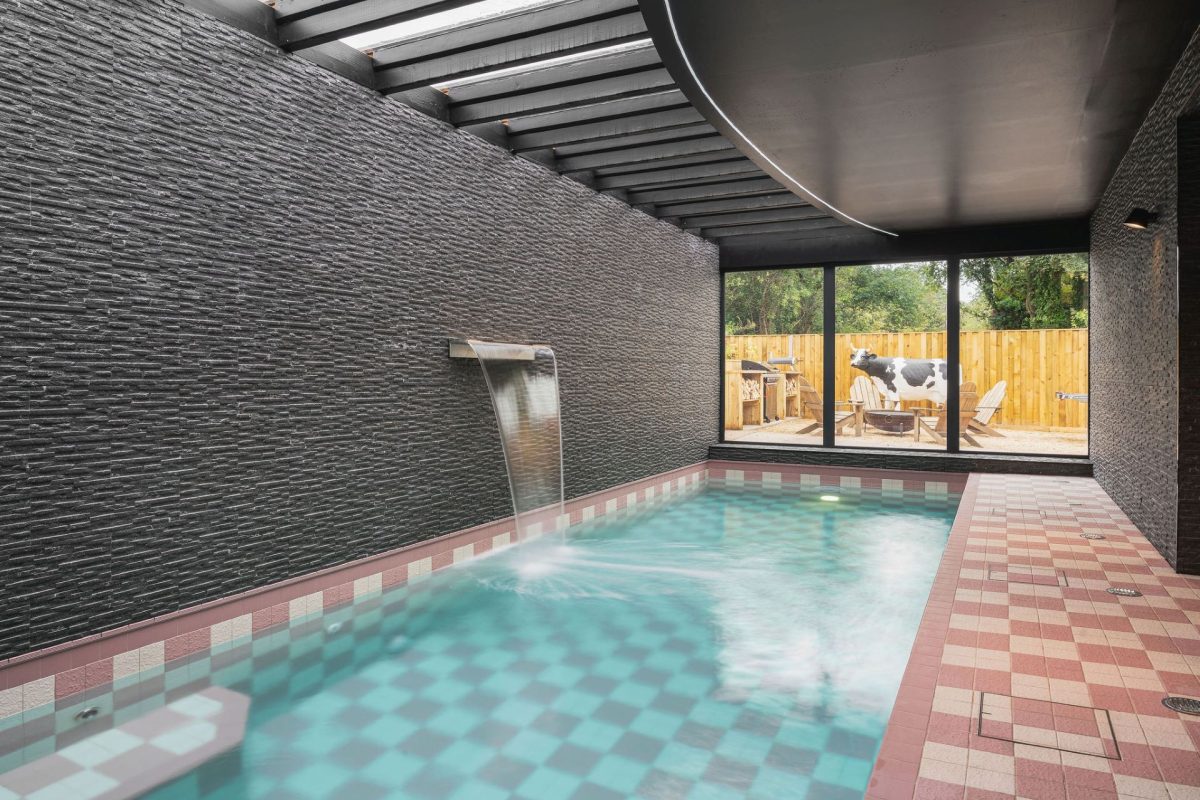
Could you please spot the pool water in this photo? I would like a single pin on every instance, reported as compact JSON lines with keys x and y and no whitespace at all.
{"x":739,"y":642}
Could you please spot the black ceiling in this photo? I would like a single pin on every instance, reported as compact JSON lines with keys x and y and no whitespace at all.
{"x":927,"y":114}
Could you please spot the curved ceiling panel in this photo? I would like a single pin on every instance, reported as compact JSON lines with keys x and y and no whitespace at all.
{"x":928,"y":113}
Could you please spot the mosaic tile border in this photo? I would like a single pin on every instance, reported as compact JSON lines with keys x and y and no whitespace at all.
{"x":1070,"y":644}
{"x":51,"y":678}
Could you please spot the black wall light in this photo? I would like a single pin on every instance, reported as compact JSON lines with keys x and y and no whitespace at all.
{"x":1139,"y":219}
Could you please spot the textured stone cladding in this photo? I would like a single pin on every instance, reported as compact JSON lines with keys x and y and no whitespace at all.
{"x":1135,"y":366}
{"x":226,"y":282}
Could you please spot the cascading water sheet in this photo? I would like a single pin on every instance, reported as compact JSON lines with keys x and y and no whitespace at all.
{"x":523,"y":382}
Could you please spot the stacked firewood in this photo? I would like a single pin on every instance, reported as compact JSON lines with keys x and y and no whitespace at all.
{"x":751,"y":389}
{"x":792,"y":386}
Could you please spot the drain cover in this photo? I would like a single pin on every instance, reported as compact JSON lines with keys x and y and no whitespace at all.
{"x":1119,"y":592}
{"x":1184,"y":705}
{"x":1092,"y":535}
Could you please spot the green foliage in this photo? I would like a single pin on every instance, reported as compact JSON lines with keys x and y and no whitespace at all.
{"x":891,"y":297}
{"x":1008,"y":293}
{"x":1018,"y":292}
{"x":773,"y":301}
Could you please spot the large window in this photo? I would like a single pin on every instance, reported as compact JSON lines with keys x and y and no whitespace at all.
{"x":886,"y":375}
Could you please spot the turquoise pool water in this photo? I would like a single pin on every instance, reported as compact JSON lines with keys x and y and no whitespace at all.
{"x":734,"y":643}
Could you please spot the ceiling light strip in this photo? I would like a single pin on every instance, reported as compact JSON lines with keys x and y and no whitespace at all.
{"x":817,"y":200}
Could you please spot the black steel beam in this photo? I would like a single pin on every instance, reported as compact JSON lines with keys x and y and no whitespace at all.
{"x":547,"y":101}
{"x":782,"y":198}
{"x":612,"y":130}
{"x":599,"y":112}
{"x":670,"y":162}
{"x":679,"y":134}
{"x":755,"y":217}
{"x":793,"y":226}
{"x":622,"y":62}
{"x":711,"y":188}
{"x":329,"y":22}
{"x":444,"y":67}
{"x":636,"y":181}
{"x":646,"y":156}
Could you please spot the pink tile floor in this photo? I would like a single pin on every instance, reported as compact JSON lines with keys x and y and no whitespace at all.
{"x":1069,"y":678}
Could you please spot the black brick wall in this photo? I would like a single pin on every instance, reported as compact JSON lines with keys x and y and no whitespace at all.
{"x":226,"y":282}
{"x":1136,"y":416}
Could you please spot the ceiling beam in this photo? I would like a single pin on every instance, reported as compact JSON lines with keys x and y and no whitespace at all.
{"x":611,"y":130}
{"x":647,"y":155}
{"x":330,"y":21}
{"x":730,"y":205}
{"x":625,"y":62}
{"x":792,"y":226}
{"x":711,"y":188}
{"x":548,"y":101}
{"x":752,"y":217}
{"x":636,"y":181}
{"x":670,"y":162}
{"x":599,"y":112}
{"x":446,"y":66}
{"x":679,"y":134}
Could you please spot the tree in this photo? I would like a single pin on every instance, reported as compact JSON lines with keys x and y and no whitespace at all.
{"x":773,"y":301}
{"x":1018,"y":292}
{"x":891,"y":297}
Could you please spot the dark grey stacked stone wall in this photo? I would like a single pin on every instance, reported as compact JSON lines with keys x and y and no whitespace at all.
{"x":1137,"y":419}
{"x":226,"y":282}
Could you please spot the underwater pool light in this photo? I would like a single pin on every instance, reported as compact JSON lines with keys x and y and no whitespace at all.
{"x":830,"y":498}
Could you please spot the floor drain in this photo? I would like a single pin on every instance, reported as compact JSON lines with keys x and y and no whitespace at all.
{"x":92,"y":712}
{"x":1119,"y":592}
{"x":1184,"y":705}
{"x":1092,"y":535}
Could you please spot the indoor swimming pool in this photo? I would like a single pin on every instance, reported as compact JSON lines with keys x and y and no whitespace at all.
{"x":740,"y":641}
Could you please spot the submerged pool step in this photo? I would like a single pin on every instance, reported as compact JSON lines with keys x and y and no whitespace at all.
{"x":131,"y":759}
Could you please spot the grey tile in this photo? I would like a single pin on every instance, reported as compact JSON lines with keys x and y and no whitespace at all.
{"x":638,"y":747}
{"x":677,"y":704}
{"x":356,"y":754}
{"x":758,"y":723}
{"x":828,"y":791}
{"x":793,"y":759}
{"x":590,"y":791}
{"x":616,"y":713}
{"x":848,"y":743}
{"x":419,"y":709}
{"x":505,"y":772}
{"x":426,"y":744}
{"x":432,"y":783}
{"x":659,"y":785}
{"x":597,"y":685}
{"x":737,"y":774}
{"x":573,"y":759}
{"x":540,"y":692}
{"x":699,"y":735}
{"x":556,"y":724}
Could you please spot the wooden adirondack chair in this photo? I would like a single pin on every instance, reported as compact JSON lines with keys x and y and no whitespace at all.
{"x":865,"y":397}
{"x":810,"y":401}
{"x":933,"y":420}
{"x":988,"y":406}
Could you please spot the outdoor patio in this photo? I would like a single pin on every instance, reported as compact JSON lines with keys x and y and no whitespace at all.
{"x":1013,"y":440}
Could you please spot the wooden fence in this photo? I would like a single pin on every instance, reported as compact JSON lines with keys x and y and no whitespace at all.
{"x":1035,"y":363}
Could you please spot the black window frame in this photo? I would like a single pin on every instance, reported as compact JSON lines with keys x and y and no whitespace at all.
{"x":953,"y":350}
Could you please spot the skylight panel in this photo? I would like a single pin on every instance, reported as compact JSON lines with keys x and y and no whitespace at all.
{"x":549,"y":62}
{"x":466,"y":15}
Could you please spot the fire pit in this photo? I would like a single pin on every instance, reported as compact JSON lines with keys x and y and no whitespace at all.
{"x":891,"y":421}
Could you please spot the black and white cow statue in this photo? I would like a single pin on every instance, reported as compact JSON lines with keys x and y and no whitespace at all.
{"x":903,"y":378}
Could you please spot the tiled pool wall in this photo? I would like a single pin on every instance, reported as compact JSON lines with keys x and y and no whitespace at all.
{"x":130,"y":671}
